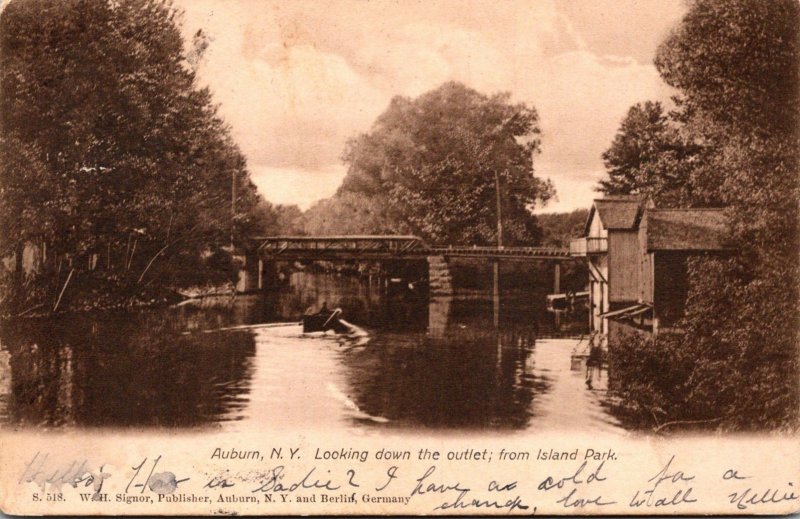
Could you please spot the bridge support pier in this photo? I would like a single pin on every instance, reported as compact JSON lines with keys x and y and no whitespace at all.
{"x":257,"y":274}
{"x":249,"y":274}
{"x":267,"y":275}
{"x":439,"y":279}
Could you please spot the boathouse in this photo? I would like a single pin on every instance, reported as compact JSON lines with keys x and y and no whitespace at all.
{"x":637,"y":257}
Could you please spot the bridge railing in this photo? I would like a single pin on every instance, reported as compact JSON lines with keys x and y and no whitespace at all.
{"x":476,"y":250}
{"x":349,"y":246}
{"x":385,"y":244}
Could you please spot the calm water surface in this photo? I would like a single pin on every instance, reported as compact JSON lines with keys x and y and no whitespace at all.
{"x":412,"y":364}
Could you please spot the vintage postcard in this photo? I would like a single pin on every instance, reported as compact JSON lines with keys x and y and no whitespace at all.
{"x":360,"y":257}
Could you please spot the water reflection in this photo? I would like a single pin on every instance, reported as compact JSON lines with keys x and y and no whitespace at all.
{"x":124,"y":370}
{"x":431,"y":364}
{"x":362,"y":300}
{"x":439,"y":316}
{"x":471,"y":379}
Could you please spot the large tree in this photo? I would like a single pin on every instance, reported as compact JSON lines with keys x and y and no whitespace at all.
{"x":736,"y":64}
{"x":652,"y":156}
{"x":430,"y":166}
{"x":125,"y":157}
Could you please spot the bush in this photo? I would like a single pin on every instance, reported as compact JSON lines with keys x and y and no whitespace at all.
{"x":647,"y":377}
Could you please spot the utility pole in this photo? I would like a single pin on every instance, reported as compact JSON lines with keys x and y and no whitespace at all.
{"x":496,"y":262}
{"x":499,"y":210}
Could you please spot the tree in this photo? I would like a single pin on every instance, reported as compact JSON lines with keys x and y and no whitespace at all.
{"x":266,"y":219}
{"x":559,"y":228}
{"x":650,"y":156}
{"x":132,"y":163}
{"x":289,"y":220}
{"x":350,"y":213}
{"x":737,"y":66}
{"x":428,"y":167}
{"x":23,"y":220}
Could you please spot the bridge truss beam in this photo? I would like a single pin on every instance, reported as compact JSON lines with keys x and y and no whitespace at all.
{"x":290,"y":248}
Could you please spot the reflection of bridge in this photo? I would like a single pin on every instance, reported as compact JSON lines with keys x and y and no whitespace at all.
{"x":290,"y":248}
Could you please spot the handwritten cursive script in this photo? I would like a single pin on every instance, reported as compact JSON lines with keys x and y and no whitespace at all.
{"x":43,"y":472}
{"x":663,"y":491}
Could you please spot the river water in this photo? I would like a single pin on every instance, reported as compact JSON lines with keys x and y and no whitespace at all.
{"x":243,"y":363}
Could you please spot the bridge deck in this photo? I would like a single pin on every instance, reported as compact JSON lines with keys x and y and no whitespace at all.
{"x":500,"y":252}
{"x":388,"y":247}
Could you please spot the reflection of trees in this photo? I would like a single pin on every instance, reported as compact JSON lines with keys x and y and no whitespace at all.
{"x":41,"y":389}
{"x":218,"y":312}
{"x":125,"y":370}
{"x":360,"y":298}
{"x":311,"y":289}
{"x":470,"y":378}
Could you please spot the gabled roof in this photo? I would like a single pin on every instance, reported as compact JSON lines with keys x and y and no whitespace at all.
{"x":686,"y":229}
{"x":617,"y":212}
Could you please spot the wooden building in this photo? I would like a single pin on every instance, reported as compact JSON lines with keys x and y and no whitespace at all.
{"x":611,"y":248}
{"x":637,"y":258}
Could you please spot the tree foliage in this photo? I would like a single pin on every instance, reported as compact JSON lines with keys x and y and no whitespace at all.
{"x":350,"y":213}
{"x":559,"y":228}
{"x":116,"y":143}
{"x":736,"y":64}
{"x":651,"y":156}
{"x":428,"y":167}
{"x":269,"y":219}
{"x":737,"y":67}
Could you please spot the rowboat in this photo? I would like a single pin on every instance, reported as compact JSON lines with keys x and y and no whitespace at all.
{"x":324,"y":320}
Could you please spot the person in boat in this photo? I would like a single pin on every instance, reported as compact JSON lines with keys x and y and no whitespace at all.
{"x":323,"y":320}
{"x":322,"y":309}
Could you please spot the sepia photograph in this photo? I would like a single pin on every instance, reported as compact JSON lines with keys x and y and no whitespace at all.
{"x":359,"y":256}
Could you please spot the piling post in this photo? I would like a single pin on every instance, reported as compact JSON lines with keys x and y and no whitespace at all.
{"x":556,"y":290}
{"x":496,"y":292}
{"x":557,"y":278}
{"x":266,"y":275}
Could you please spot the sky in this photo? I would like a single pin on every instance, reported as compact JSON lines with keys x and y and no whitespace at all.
{"x":296,"y":79}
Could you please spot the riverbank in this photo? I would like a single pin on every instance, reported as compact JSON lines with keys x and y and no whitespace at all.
{"x":85,"y":292}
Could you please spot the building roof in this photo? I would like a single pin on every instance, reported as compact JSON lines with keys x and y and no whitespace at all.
{"x":617,"y":212}
{"x":686,"y":229}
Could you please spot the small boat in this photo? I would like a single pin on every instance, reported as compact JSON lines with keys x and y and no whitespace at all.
{"x":324,"y":320}
{"x":567,"y":302}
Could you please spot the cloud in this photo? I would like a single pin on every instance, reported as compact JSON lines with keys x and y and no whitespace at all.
{"x":582,"y":98}
{"x":574,"y":191}
{"x":295,"y":80}
{"x":288,"y":105}
{"x":297,"y":186}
